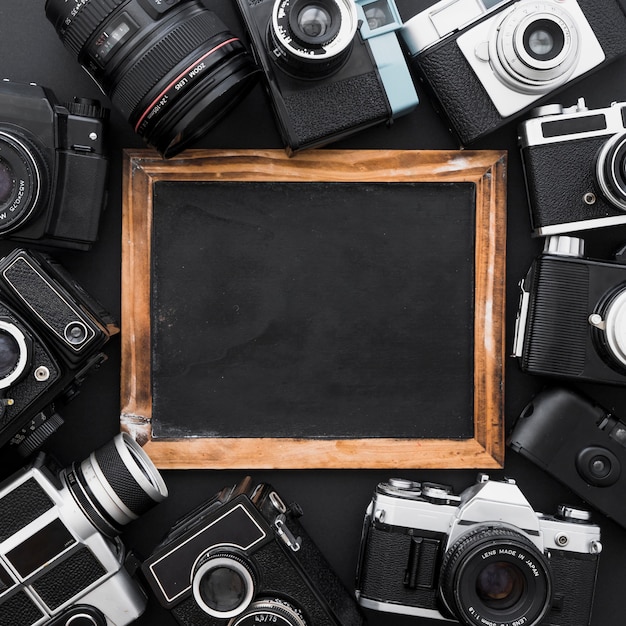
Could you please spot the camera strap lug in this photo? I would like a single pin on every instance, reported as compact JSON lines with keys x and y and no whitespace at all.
{"x":285,"y":534}
{"x":521,"y":321}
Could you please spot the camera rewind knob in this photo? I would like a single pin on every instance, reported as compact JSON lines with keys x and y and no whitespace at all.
{"x":563,"y":245}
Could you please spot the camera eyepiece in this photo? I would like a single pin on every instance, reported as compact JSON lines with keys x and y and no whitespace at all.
{"x":116,"y":484}
{"x":173,"y":69}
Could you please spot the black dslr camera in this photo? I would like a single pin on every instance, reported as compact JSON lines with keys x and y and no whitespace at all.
{"x":587,"y":149}
{"x":242,"y":558}
{"x":61,"y":560}
{"x":53,"y":169}
{"x":483,"y":556}
{"x":571,"y":321}
{"x":51,"y":333}
{"x":487,"y":61}
{"x":332,"y":67}
{"x":578,"y":442}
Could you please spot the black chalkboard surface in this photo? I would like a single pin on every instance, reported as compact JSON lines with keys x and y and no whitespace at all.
{"x":312,"y":309}
{"x":314,"y":312}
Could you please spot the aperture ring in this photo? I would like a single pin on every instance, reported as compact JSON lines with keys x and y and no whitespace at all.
{"x":76,"y":31}
{"x":159,"y":60}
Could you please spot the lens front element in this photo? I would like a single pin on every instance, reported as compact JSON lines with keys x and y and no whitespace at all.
{"x":495,"y":575}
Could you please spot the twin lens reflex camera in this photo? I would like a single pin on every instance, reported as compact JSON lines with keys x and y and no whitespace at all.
{"x":51,"y":335}
{"x":481,"y":557}
{"x":587,"y":148}
{"x":53,"y":167}
{"x":332,"y":67}
{"x":571,"y":321}
{"x":578,"y":442}
{"x":61,"y":560}
{"x":487,"y":61}
{"x":242,"y":558}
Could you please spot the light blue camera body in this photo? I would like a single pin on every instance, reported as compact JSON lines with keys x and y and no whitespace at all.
{"x":380,"y":21}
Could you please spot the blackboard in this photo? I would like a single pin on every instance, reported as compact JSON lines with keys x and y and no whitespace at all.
{"x":305,"y":317}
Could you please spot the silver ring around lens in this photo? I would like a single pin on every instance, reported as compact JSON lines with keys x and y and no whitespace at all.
{"x":72,"y":336}
{"x":515,"y":66}
{"x":142,"y":470}
{"x":615,"y":320}
{"x":22,"y":361}
{"x":607,"y":167}
{"x":347,"y":31}
{"x":221,"y":561}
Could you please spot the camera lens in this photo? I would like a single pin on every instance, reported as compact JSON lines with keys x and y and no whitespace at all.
{"x":270,"y":612}
{"x":223,"y":584}
{"x":544,"y":40}
{"x":494,"y":574}
{"x":536,"y":47}
{"x":116,"y":484}
{"x":598,"y":466}
{"x":314,"y":38}
{"x":173,"y":69}
{"x":611,"y":170}
{"x":23,"y":181}
{"x":13,"y":354}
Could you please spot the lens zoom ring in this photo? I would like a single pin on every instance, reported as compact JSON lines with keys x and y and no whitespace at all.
{"x":152,"y":66}
{"x":122,"y":481}
{"x":86,"y":21}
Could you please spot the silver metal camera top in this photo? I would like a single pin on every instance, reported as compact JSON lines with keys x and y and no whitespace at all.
{"x":442,"y":19}
{"x":400,"y":488}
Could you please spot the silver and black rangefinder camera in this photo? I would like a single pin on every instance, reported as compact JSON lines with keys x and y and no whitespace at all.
{"x":61,"y":561}
{"x":587,"y":151}
{"x":481,"y":557}
{"x":242,"y":558}
{"x":53,"y":167}
{"x":332,"y":67}
{"x":487,"y":61}
{"x":571,"y":321}
{"x":51,"y":335}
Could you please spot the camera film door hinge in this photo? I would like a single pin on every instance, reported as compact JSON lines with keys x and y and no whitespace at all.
{"x":421,"y":565}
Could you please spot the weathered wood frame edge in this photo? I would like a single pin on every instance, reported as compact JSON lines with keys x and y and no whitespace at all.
{"x":486,"y":169}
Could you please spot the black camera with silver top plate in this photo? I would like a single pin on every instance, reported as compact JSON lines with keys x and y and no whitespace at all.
{"x":51,"y":335}
{"x":571,"y":321}
{"x":480,"y":557}
{"x":242,"y":558}
{"x":575,"y":164}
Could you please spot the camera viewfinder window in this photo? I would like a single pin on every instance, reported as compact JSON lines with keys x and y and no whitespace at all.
{"x":378,"y":14}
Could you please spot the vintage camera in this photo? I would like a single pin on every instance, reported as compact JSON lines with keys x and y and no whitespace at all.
{"x":53,"y":168}
{"x":172,"y":68}
{"x":242,"y":558}
{"x":587,"y":150}
{"x":481,"y":557}
{"x":61,"y":561}
{"x":579,"y":443}
{"x":572,"y":315}
{"x":332,"y":67}
{"x":486,"y":61}
{"x":51,"y":333}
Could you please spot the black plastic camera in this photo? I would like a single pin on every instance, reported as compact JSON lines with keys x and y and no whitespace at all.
{"x":242,"y":558}
{"x":579,"y":443}
{"x":587,"y":148}
{"x":51,"y":333}
{"x":571,"y":321}
{"x":53,"y":169}
{"x":332,"y":67}
{"x":487,"y":61}
{"x":61,"y":560}
{"x":483,"y":556}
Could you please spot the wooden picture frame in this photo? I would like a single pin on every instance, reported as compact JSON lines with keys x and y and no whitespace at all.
{"x":485,"y":169}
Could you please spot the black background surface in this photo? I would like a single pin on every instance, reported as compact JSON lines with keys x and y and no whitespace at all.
{"x":333,"y":501}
